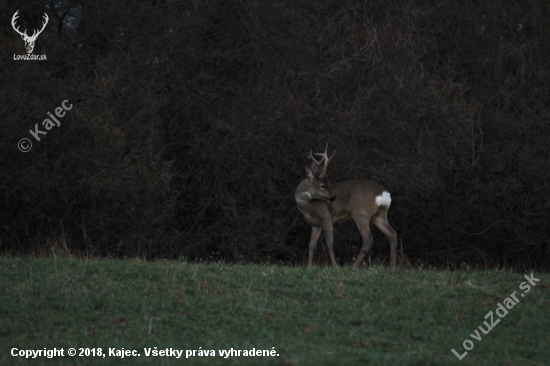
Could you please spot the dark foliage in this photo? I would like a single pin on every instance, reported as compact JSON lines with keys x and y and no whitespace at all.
{"x":192,"y":121}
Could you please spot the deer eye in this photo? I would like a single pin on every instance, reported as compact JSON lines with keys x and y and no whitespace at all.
{"x":322,"y":186}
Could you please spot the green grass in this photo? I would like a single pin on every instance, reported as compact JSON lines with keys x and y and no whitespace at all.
{"x":317,"y":316}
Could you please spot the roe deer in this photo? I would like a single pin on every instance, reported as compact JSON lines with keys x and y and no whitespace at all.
{"x":322,"y":205}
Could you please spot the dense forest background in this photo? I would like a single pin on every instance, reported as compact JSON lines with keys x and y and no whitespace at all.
{"x":192,"y":122}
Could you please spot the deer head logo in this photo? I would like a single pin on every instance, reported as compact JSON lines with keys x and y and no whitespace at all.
{"x":29,"y":41}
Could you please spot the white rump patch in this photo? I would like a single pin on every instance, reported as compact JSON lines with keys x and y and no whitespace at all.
{"x":384,"y":199}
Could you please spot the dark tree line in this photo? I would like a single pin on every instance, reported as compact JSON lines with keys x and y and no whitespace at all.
{"x":192,"y":122}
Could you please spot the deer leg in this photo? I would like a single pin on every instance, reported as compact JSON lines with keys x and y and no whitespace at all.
{"x":363,"y":223}
{"x":327,"y":226}
{"x":315,"y":232}
{"x":381,"y":221}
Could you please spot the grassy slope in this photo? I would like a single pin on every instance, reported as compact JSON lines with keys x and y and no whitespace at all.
{"x":318,"y":316}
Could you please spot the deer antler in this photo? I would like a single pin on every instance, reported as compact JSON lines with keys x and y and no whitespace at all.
{"x":323,"y":163}
{"x":24,"y":34}
{"x":44,"y":23}
{"x":13,"y":19}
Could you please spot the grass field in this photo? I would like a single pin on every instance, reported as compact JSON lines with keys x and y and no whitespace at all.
{"x":317,"y":316}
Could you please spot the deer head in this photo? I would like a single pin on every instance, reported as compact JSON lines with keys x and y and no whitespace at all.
{"x":29,"y":40}
{"x":317,"y":186}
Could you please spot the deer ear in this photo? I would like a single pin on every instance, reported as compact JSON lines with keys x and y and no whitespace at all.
{"x":309,"y":174}
{"x":314,"y":168}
